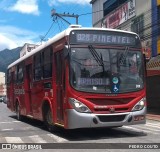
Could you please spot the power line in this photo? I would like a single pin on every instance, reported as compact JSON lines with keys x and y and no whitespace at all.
{"x":54,"y":14}
{"x":90,"y":13}
{"x":147,"y":17}
{"x":47,"y":32}
{"x":59,"y":26}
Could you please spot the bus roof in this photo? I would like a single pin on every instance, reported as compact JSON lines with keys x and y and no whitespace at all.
{"x":60,"y":36}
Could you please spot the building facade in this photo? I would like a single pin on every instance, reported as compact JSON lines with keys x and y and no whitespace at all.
{"x":2,"y":84}
{"x":27,"y":48}
{"x":140,"y":16}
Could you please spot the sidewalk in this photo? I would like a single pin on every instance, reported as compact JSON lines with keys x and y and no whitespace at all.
{"x":153,"y":114}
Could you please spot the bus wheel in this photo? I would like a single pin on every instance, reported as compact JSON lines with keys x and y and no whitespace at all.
{"x":19,"y":117}
{"x":49,"y":121}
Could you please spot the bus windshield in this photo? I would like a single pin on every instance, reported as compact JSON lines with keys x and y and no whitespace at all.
{"x":106,"y":70}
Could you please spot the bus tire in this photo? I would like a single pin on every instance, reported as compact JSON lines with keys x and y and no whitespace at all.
{"x":19,"y":116}
{"x":48,"y":121}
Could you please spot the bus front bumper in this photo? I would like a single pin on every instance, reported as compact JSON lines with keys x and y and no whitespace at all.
{"x":91,"y":120}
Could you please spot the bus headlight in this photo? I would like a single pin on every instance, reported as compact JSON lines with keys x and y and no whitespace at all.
{"x":140,"y":105}
{"x":78,"y":106}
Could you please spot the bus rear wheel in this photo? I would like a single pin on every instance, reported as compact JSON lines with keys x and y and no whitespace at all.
{"x":49,"y":121}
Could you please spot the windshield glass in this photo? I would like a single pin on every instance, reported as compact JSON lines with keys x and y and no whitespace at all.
{"x":106,"y":70}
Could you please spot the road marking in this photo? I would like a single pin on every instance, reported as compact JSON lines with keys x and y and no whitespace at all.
{"x":153,"y":124}
{"x":30,"y":128}
{"x":57,"y":138}
{"x":138,"y":129}
{"x":16,"y":121}
{"x":13,"y":140}
{"x":8,"y":122}
{"x":134,"y":129}
{"x":146,"y":128}
{"x":37,"y":139}
{"x":5,"y":122}
{"x":7,"y":129}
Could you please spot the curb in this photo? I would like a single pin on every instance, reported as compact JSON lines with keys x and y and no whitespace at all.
{"x":153,"y":117}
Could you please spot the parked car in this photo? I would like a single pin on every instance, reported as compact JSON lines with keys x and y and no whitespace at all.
{"x":1,"y":99}
{"x":5,"y":100}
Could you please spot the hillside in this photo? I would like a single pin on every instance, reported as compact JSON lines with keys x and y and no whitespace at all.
{"x":7,"y":57}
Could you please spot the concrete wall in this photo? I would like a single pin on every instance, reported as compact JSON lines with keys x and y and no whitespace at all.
{"x":97,"y":6}
{"x":2,"y":78}
{"x":146,"y":10}
{"x":143,"y":7}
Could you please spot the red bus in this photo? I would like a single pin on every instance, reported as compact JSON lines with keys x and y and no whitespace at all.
{"x":81,"y":78}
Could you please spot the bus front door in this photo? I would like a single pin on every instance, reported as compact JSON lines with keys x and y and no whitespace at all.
{"x":11,"y":92}
{"x":59,"y":85}
{"x":28,"y":86}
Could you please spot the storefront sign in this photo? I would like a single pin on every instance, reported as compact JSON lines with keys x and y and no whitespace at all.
{"x":121,"y":15}
{"x":131,"y":9}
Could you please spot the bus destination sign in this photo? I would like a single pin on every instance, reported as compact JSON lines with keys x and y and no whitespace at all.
{"x":107,"y":38}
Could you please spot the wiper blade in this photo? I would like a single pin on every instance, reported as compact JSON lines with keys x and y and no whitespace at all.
{"x":96,"y":56}
{"x":98,"y":59}
{"x":124,"y":56}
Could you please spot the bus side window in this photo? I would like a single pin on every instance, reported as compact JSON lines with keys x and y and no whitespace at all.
{"x":20,"y":73}
{"x":8,"y":76}
{"x":37,"y":67}
{"x":47,"y":63}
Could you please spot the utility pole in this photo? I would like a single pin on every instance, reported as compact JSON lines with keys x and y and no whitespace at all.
{"x":53,"y":13}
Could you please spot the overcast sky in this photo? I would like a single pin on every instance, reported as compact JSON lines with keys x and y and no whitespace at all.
{"x":28,"y":21}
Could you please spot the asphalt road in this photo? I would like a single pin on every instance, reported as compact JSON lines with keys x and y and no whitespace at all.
{"x":31,"y":131}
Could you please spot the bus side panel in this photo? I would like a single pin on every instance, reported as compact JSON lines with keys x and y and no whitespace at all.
{"x":59,"y":86}
{"x":54,"y":87}
{"x":10,"y":93}
{"x":28,"y":85}
{"x":37,"y":95}
{"x":20,"y":97}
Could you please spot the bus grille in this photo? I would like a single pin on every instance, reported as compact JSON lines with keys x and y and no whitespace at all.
{"x":102,"y":101}
{"x":112,"y":118}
